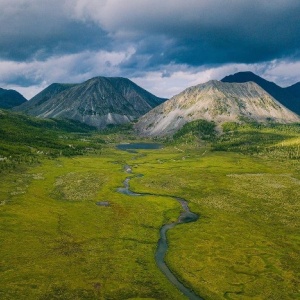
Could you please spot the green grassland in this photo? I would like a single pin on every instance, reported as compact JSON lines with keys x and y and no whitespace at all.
{"x":246,"y":243}
{"x":56,"y":243}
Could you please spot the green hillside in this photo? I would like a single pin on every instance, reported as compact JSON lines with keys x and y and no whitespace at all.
{"x":25,"y":139}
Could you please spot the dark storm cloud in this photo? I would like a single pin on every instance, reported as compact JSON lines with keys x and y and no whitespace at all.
{"x":37,"y":30}
{"x":73,"y":40}
{"x":209,"y":31}
{"x":182,"y":31}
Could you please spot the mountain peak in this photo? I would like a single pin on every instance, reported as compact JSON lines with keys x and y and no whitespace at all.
{"x":98,"y":101}
{"x":289,"y":97}
{"x":214,"y":101}
{"x":10,"y":98}
{"x":246,"y":76}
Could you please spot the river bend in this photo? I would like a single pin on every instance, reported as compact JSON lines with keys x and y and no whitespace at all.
{"x":186,"y":216}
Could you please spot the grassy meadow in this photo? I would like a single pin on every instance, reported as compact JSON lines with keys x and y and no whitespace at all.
{"x":246,"y":243}
{"x":57,"y":243}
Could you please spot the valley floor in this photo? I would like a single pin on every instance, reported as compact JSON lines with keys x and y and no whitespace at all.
{"x":57,"y":243}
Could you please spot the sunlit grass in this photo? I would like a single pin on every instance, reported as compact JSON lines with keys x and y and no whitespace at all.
{"x":56,"y":243}
{"x":246,"y":242}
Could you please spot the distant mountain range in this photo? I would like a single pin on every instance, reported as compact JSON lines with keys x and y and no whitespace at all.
{"x":10,"y":98}
{"x":101,"y":101}
{"x":289,"y":96}
{"x":214,"y":101}
{"x":97,"y":102}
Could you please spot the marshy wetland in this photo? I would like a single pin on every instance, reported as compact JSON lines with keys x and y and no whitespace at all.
{"x":57,"y":243}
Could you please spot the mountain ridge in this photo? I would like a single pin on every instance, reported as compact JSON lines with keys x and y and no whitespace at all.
{"x":214,"y":101}
{"x":288,"y":96}
{"x":10,"y":98}
{"x":97,"y":102}
{"x":50,"y":91}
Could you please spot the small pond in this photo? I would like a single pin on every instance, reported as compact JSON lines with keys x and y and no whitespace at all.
{"x":132,"y":147}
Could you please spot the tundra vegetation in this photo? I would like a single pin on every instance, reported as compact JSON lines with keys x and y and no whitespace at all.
{"x":57,"y":243}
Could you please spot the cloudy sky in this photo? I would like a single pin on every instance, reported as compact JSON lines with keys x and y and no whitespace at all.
{"x":164,"y":46}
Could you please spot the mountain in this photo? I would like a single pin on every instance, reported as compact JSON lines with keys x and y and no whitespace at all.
{"x":97,"y":102}
{"x":10,"y":98}
{"x":48,"y":93}
{"x":289,"y":96}
{"x":214,"y":101}
{"x":295,"y":89}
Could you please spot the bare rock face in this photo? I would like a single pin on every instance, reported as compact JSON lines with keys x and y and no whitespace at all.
{"x":288,"y":96}
{"x":214,"y":101}
{"x":32,"y":106}
{"x":97,"y":102}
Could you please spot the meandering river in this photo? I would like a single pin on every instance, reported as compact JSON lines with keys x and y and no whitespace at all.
{"x":185,"y":216}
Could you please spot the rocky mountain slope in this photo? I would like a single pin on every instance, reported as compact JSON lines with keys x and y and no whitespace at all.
{"x":50,"y":92}
{"x":10,"y":98}
{"x":214,"y":101}
{"x":289,"y":96}
{"x":97,"y":102}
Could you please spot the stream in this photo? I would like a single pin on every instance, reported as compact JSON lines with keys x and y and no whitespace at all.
{"x":185,"y":216}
